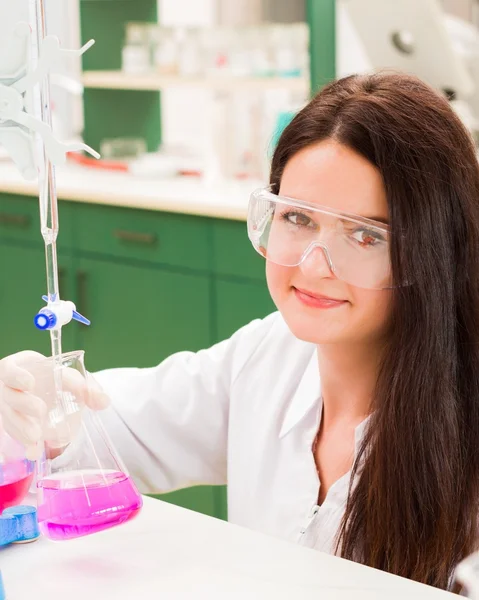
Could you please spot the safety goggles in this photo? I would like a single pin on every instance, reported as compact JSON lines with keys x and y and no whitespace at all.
{"x":287,"y":232}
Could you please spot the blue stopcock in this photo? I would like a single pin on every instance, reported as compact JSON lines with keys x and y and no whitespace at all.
{"x":56,"y":314}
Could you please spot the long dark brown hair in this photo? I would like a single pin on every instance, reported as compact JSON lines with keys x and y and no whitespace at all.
{"x":413,"y":509}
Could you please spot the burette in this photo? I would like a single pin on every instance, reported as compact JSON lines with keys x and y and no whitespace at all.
{"x":45,"y":51}
{"x":57,"y":312}
{"x":49,"y":225}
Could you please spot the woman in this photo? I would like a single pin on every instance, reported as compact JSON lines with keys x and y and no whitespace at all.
{"x":349,"y":420}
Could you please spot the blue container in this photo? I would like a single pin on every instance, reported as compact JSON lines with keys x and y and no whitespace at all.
{"x":18,"y":524}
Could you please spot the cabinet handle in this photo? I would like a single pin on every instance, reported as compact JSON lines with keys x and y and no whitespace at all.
{"x":20,"y":221}
{"x":148,"y":239}
{"x":81,"y":277}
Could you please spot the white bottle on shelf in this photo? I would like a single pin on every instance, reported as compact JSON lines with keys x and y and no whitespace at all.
{"x":259,"y":51}
{"x":240,"y":64}
{"x":285,"y":59}
{"x":166,"y":53}
{"x":136,"y":52}
{"x":190,"y":53}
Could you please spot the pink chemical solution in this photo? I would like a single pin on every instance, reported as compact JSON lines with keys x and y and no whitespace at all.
{"x":15,"y":480}
{"x":77,"y":503}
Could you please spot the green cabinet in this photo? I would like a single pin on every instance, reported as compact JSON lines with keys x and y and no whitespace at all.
{"x":233,"y":255}
{"x":204,"y":499}
{"x":179,"y":242}
{"x":140,"y":314}
{"x":241,"y":294}
{"x":238,"y":303}
{"x":152,"y":283}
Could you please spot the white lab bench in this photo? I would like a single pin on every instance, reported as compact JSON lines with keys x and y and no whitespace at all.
{"x":174,"y":554}
{"x":225,"y":199}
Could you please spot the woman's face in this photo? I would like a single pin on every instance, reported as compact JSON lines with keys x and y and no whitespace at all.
{"x":317,"y":306}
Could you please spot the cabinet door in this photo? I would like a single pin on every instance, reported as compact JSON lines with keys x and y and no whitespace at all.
{"x":140,"y":314}
{"x":241,"y":294}
{"x":21,"y":290}
{"x":239,"y":302}
{"x":204,"y":499}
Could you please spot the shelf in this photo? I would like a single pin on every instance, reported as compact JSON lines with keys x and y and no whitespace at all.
{"x":118,"y":80}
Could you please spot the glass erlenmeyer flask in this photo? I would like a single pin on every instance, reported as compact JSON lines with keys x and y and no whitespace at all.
{"x":16,"y":472}
{"x":83,"y":486}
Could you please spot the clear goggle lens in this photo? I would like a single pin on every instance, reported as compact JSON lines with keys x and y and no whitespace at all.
{"x":287,"y":232}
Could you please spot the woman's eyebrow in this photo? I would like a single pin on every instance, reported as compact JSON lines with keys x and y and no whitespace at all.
{"x":304,"y":209}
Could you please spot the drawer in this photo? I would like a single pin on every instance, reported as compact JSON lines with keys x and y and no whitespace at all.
{"x":233,"y":253}
{"x":20,"y":220}
{"x":158,"y":237}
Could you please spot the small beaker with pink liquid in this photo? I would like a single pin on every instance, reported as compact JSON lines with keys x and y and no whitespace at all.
{"x":16,"y":472}
{"x":82,"y":485}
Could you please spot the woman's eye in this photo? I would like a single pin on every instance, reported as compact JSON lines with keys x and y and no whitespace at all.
{"x":367,"y":238}
{"x":299,"y":219}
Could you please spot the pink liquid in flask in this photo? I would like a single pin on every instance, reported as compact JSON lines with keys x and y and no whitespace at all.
{"x":15,"y":480}
{"x":77,"y":503}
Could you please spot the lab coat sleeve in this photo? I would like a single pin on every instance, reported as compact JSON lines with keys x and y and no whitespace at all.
{"x":169,"y":423}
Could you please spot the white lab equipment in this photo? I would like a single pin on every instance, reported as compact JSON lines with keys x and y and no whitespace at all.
{"x":416,"y":37}
{"x":465,"y":38}
{"x":410,"y":36}
{"x":24,"y":112}
{"x":18,"y":121}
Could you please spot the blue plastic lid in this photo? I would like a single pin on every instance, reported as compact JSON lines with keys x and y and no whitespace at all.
{"x":45,"y":319}
{"x":18,"y":524}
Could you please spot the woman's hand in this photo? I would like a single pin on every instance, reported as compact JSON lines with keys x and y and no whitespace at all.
{"x":24,"y":405}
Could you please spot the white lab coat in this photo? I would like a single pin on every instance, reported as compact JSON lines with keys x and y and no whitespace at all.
{"x":244,"y":412}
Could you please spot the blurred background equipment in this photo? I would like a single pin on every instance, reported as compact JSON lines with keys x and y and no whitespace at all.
{"x":409,"y":35}
{"x":437,"y":41}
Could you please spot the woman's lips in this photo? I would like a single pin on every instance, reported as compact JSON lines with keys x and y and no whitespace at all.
{"x":317,"y":300}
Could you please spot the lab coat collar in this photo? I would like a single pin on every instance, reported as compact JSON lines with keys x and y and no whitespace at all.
{"x":308,"y":393}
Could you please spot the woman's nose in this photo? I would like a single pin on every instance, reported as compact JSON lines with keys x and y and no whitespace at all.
{"x":316,"y":262}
